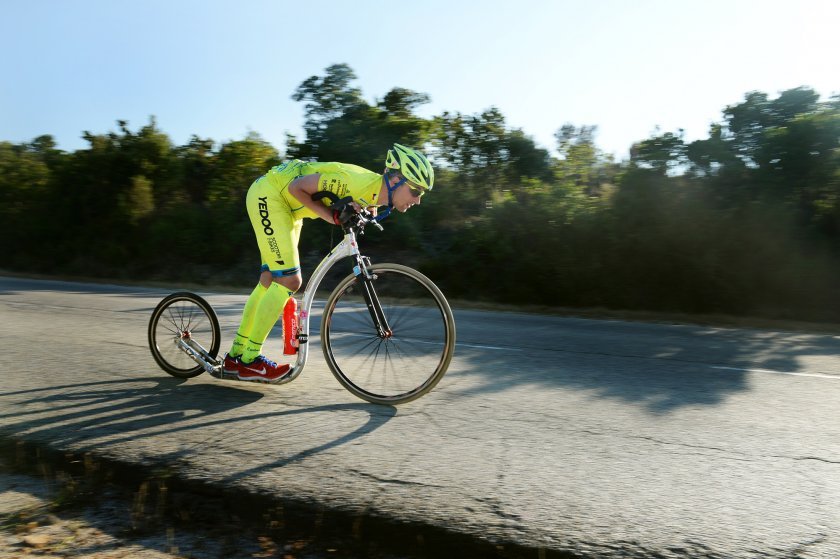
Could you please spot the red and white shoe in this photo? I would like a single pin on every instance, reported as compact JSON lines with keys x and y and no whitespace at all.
{"x":261,"y":370}
{"x":231,"y":365}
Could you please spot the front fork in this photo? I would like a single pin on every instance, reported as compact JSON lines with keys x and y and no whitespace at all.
{"x":365,"y":278}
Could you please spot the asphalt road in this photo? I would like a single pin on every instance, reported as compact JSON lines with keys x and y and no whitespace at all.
{"x":602,"y":438}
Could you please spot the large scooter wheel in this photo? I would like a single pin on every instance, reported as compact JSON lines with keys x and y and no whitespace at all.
{"x":182,"y":316}
{"x":411,"y":358}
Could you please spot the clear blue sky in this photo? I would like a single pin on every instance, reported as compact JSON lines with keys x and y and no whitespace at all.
{"x":219,"y":69}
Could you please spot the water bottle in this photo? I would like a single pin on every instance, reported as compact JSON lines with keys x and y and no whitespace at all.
{"x":290,"y":327}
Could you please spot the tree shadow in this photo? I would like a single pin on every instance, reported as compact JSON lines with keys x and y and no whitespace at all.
{"x":98,"y":415}
{"x":130,"y":404}
{"x":662,"y":367}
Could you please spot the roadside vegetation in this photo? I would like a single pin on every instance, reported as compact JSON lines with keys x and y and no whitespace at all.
{"x":745,"y":222}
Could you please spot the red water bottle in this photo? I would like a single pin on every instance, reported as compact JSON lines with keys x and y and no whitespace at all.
{"x":290,"y":327}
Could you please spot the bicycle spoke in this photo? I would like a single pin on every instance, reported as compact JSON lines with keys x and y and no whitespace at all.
{"x":175,"y":317}
{"x":401,"y":366}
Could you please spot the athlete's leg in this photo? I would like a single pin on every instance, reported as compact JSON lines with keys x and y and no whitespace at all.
{"x":247,"y":320}
{"x":277,"y":233}
{"x":291,"y":280}
{"x":265,"y":316}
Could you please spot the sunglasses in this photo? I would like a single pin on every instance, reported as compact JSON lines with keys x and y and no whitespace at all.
{"x":416,"y":192}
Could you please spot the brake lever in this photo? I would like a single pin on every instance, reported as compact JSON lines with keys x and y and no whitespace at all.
{"x":369,"y":219}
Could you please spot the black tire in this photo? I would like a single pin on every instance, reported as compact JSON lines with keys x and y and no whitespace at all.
{"x":177,"y":315}
{"x":400,"y":368}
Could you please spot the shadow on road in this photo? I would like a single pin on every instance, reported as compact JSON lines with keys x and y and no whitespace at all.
{"x":104,"y":414}
{"x":661,"y":367}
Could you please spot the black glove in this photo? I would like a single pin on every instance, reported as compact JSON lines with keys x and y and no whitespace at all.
{"x":343,"y":214}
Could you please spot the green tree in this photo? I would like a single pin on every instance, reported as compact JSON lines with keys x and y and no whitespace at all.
{"x":581,"y":169}
{"x":238,"y":164}
{"x":487,"y":157}
{"x":25,"y":183}
{"x":781,"y":151}
{"x":750,"y":121}
{"x":662,"y":154}
{"x":196,"y":169}
{"x":138,"y":201}
{"x":325,"y":99}
{"x":341,"y":126}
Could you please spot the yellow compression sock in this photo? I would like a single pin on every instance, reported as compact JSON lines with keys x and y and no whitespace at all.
{"x":265,"y":317}
{"x":247,"y":321}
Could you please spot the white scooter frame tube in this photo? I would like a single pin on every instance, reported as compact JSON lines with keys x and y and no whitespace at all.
{"x":347,"y":247}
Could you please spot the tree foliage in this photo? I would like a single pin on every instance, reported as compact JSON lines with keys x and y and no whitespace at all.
{"x":746,"y":220}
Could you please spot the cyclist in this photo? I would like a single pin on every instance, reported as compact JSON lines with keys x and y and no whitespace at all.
{"x":277,"y":203}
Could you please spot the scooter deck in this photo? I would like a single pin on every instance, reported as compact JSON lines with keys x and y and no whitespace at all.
{"x":219,"y":373}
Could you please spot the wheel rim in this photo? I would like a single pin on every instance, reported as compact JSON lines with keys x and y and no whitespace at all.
{"x":406,"y":361}
{"x":182,"y":319}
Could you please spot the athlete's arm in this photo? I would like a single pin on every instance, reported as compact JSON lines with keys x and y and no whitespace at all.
{"x":304,"y":187}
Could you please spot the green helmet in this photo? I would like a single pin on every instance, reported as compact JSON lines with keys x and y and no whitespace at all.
{"x":412,"y":164}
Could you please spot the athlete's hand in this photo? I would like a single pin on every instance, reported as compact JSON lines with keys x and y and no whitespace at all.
{"x":346,"y":212}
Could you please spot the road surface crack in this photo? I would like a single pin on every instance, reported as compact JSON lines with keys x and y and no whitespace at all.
{"x":733,"y":454}
{"x":816,"y":458}
{"x":393,"y":481}
{"x":497,"y":507}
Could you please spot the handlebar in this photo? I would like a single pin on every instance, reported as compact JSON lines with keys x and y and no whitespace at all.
{"x":359,"y":221}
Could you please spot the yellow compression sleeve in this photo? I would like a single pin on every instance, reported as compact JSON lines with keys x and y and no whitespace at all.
{"x":247,"y":321}
{"x":265,"y":317}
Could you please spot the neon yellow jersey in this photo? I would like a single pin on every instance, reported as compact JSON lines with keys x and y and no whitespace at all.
{"x":342,"y":179}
